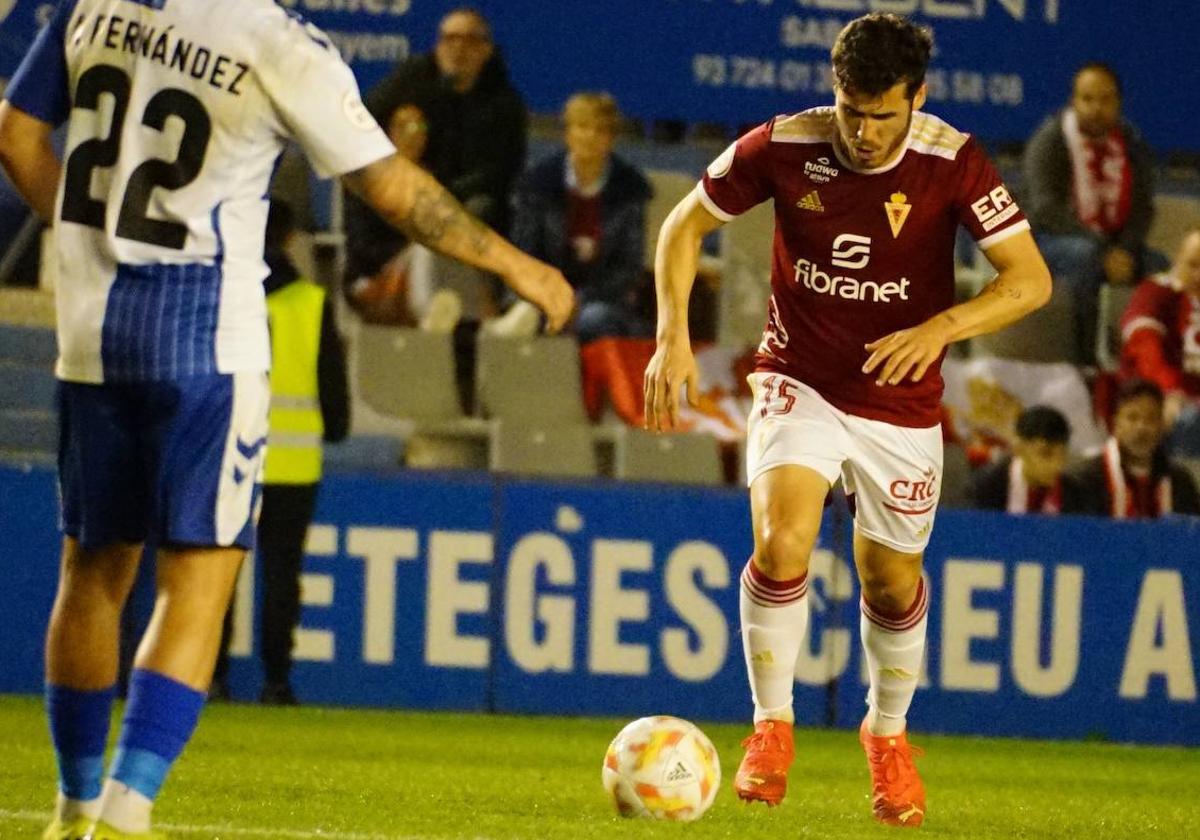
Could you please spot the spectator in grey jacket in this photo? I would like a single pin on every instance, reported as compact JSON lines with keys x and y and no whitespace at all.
{"x":1089,"y":183}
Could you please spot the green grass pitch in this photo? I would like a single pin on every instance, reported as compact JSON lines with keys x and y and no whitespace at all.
{"x":255,"y":772}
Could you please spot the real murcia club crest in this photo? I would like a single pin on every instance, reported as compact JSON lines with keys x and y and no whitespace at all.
{"x":897,"y":212}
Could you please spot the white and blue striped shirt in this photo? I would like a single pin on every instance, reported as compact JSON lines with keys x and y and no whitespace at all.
{"x":177,"y":112}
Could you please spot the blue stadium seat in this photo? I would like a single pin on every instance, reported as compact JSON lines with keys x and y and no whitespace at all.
{"x":34,"y":346}
{"x":364,"y":453}
{"x":28,"y":431}
{"x":26,"y":388}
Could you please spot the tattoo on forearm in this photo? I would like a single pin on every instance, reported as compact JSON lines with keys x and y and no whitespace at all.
{"x":436,"y":214}
{"x":1003,"y":289}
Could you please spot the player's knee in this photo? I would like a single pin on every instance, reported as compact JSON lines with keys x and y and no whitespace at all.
{"x":784,"y":550}
{"x":891,"y":591}
{"x":97,"y":579}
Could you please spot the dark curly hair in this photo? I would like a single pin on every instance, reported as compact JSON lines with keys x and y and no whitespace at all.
{"x":1136,"y":388}
{"x":1041,"y":422}
{"x":877,"y":51}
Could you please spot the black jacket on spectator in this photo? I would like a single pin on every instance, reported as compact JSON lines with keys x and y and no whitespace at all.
{"x":540,"y":228}
{"x":476,"y":140}
{"x":989,"y":489}
{"x":370,"y":241}
{"x":1094,"y":486}
{"x":1047,"y":192}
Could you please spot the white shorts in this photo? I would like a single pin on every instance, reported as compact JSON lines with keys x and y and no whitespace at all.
{"x":892,"y":473}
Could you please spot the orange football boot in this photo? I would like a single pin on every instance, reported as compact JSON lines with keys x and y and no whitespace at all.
{"x":898,"y":797}
{"x":762,"y":775}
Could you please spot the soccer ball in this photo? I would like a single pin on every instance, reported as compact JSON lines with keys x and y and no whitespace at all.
{"x":661,"y":767}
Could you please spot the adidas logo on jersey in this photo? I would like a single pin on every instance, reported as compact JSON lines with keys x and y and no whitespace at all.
{"x":679,"y":773}
{"x":812,"y":201}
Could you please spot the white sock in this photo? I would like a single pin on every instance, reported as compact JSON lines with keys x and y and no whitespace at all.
{"x":774,"y":617}
{"x":895,"y":647}
{"x":71,"y":809}
{"x":124,"y":808}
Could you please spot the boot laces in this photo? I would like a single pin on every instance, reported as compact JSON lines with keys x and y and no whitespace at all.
{"x":766,"y":740}
{"x":896,"y":761}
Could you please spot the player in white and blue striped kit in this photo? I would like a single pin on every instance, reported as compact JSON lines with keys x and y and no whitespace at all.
{"x":176,"y":112}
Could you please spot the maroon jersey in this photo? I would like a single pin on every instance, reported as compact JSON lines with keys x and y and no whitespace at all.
{"x":1160,"y":333}
{"x":859,"y":254}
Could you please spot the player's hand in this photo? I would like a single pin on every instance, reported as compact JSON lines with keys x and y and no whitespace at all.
{"x":545,"y":287}
{"x":671,"y":366}
{"x":1173,"y":405}
{"x":898,"y":354}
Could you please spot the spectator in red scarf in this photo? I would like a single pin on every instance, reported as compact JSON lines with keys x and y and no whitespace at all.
{"x":1031,"y":480}
{"x":1160,"y":334}
{"x":1132,"y":478}
{"x":1089,"y":182}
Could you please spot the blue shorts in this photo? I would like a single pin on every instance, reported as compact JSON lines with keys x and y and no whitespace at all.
{"x":177,"y":461}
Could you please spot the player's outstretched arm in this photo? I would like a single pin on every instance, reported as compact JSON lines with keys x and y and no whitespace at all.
{"x":29,"y":159}
{"x":413,"y":201}
{"x":1021,"y":285}
{"x":675,"y":261}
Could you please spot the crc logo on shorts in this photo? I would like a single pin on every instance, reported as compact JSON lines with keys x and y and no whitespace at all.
{"x":851,"y":251}
{"x":915,"y":496}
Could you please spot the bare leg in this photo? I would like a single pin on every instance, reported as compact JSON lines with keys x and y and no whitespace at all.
{"x":786,"y":504}
{"x":893,"y":629}
{"x":194,"y":588}
{"x":82,"y":639}
{"x":172,"y":671}
{"x":894,"y":606}
{"x":82,"y":643}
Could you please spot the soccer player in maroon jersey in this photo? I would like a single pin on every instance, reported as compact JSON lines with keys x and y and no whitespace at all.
{"x":868,"y":197}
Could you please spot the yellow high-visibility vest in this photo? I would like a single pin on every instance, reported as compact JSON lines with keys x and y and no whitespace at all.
{"x":296,"y":428}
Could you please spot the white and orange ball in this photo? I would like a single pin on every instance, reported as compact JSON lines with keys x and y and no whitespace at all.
{"x":661,"y":767}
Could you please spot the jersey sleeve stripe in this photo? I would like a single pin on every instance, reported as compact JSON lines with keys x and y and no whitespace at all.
{"x":1142,"y":322}
{"x":933,"y":136}
{"x":1000,"y":235}
{"x":813,"y":126}
{"x":40,"y":85}
{"x":710,"y":205}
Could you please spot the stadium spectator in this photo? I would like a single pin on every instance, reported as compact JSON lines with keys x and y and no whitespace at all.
{"x":583,"y":209}
{"x":1160,"y":333}
{"x":378,"y":257}
{"x":476,"y":123}
{"x":847,"y":380}
{"x":1031,"y":480}
{"x":1132,"y":477}
{"x":476,"y":118}
{"x":164,"y":345}
{"x":309,"y":404}
{"x":1089,"y":182}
